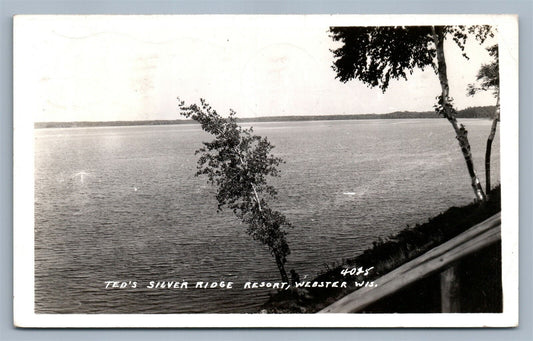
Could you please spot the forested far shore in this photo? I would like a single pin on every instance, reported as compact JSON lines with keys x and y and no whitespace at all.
{"x":471,"y":112}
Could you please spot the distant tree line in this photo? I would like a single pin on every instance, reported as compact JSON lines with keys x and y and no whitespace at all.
{"x":83,"y":124}
{"x":471,"y":112}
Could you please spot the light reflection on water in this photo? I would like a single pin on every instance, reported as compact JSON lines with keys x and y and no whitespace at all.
{"x":122,"y":203}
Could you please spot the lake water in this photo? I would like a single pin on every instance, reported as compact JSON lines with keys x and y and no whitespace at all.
{"x":123,"y":204}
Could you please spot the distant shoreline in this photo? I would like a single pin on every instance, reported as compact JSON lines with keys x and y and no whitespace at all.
{"x":473,"y":112}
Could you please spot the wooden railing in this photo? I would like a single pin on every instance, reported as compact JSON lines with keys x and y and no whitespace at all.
{"x":439,"y":259}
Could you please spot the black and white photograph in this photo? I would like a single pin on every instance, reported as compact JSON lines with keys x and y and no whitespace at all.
{"x":265,"y":171}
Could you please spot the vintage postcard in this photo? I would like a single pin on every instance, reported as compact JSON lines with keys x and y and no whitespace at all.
{"x":266,"y":171}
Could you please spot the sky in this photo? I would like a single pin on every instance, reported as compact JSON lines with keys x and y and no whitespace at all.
{"x":118,"y":68}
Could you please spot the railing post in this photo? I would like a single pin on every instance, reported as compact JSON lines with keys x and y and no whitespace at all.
{"x":450,"y":288}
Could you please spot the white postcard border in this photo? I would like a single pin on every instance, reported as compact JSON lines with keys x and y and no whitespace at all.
{"x":23,"y":210}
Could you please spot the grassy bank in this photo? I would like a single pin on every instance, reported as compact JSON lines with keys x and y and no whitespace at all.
{"x":481,"y":270}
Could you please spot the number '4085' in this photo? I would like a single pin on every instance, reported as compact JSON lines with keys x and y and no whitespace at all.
{"x":356,"y":271}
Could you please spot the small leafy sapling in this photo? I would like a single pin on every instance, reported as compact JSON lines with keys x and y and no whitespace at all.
{"x":238,"y":163}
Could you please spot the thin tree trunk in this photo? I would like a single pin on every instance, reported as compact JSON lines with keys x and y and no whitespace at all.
{"x":279,"y":261}
{"x":281,"y":267}
{"x":257,"y":200}
{"x":256,"y":196}
{"x":450,"y":114}
{"x":489,"y":145}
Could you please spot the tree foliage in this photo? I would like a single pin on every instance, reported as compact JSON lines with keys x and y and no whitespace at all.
{"x":377,"y":54}
{"x":238,"y":163}
{"x":488,"y":76}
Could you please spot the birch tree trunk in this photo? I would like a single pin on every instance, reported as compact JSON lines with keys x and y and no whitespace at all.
{"x":489,"y":145}
{"x":279,"y":261}
{"x":281,"y":267}
{"x":450,"y":114}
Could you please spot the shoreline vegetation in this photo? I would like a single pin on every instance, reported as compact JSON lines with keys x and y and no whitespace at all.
{"x":480,"y":273}
{"x":472,"y":112}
